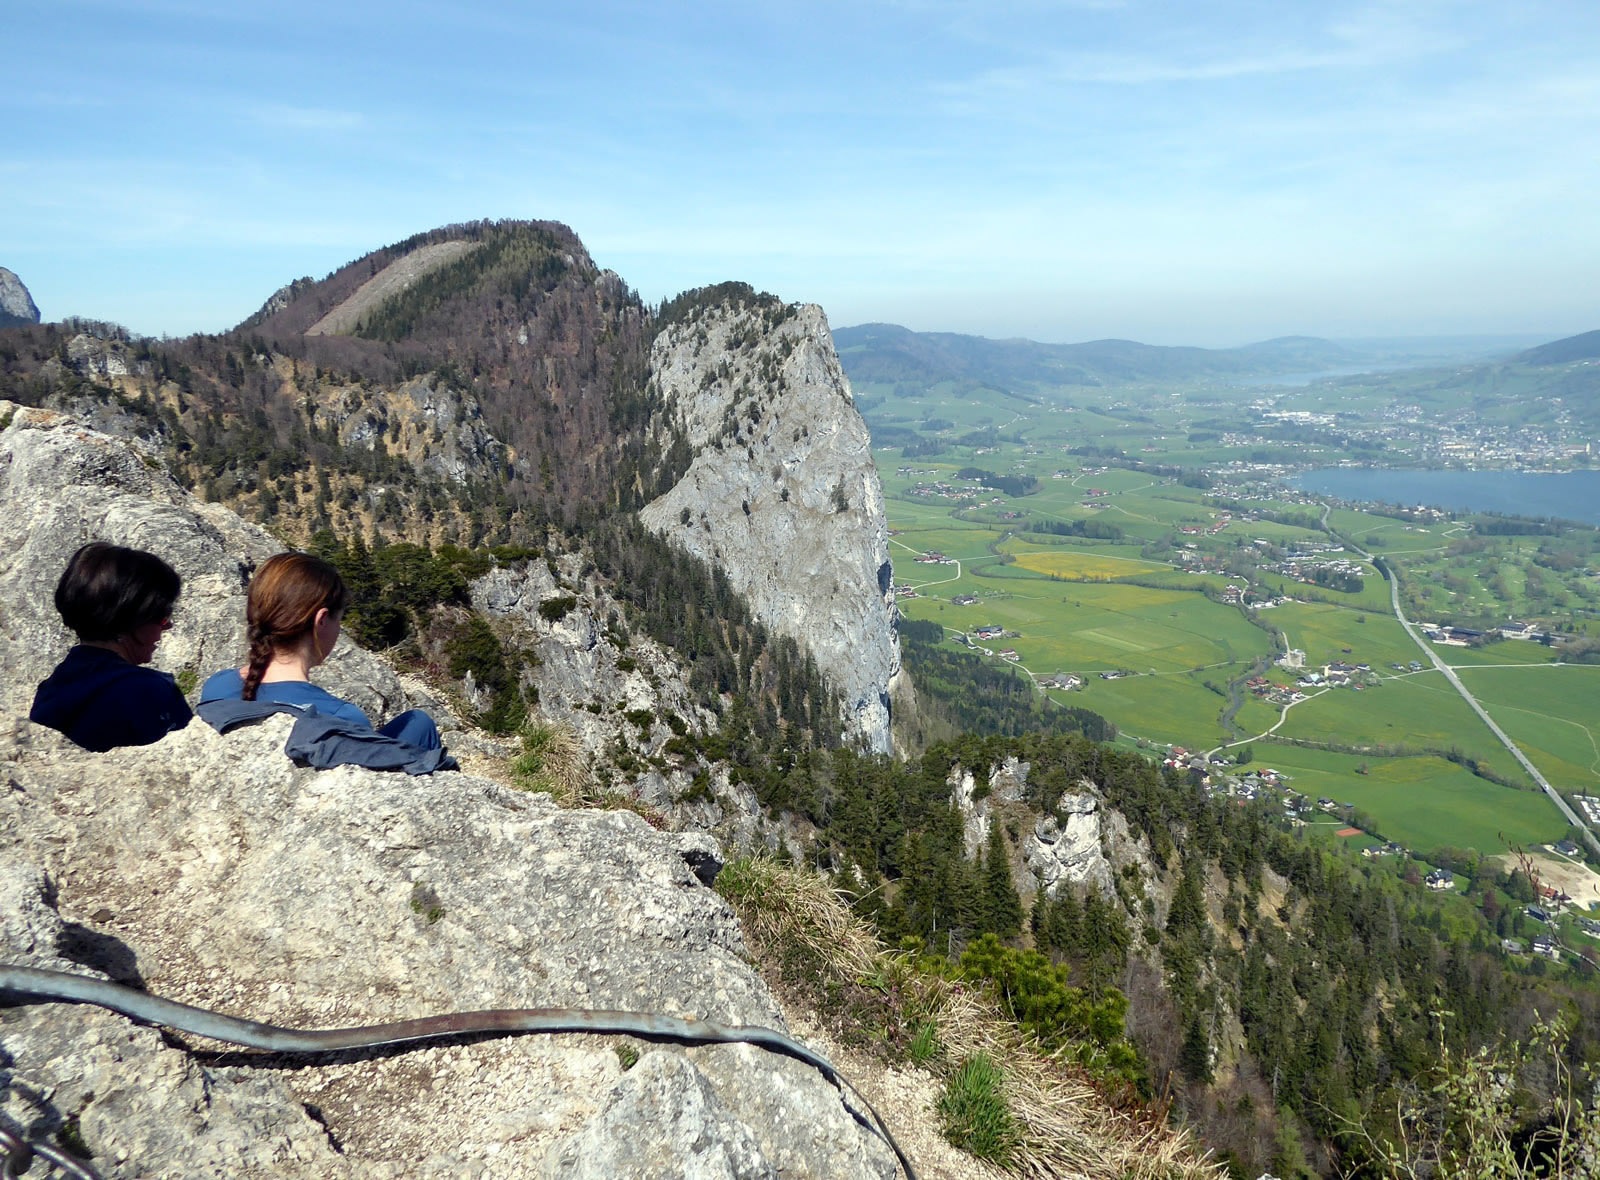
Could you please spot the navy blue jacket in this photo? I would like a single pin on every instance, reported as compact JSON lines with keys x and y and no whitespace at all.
{"x":101,"y":701}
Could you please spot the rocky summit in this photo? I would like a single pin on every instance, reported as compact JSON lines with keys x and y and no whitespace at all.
{"x":211,"y":870}
{"x":16,"y":305}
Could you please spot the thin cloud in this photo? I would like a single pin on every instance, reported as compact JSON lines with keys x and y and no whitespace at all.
{"x":320,"y":119}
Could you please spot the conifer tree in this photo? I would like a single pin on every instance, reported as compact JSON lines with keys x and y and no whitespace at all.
{"x":1002,"y":908}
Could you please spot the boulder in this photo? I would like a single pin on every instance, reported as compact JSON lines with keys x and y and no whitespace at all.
{"x":211,"y":870}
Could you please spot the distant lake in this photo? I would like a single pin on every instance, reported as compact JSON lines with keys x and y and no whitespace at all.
{"x":1570,"y":495}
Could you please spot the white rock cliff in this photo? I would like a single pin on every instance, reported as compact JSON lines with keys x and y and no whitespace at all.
{"x":782,"y":494}
{"x":16,"y":304}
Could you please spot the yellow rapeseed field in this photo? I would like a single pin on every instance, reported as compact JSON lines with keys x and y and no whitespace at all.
{"x":1086,"y":567}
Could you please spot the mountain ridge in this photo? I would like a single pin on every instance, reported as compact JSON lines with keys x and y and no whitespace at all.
{"x":878,"y":353}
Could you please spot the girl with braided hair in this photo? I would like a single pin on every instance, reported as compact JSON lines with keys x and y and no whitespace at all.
{"x":294,"y":612}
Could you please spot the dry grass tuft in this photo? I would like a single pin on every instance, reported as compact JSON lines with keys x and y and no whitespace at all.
{"x":552,"y":761}
{"x":799,"y":926}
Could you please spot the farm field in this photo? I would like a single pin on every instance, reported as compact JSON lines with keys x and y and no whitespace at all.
{"x":1420,"y":711}
{"x":1064,"y":609}
{"x":1165,"y":709}
{"x":1509,"y":651}
{"x":1553,"y":714}
{"x":1423,"y":802}
{"x":1093,"y":627}
{"x":1326,"y":632}
{"x":1081,"y":567}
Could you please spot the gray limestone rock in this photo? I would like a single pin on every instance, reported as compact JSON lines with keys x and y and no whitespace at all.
{"x":436,"y":427}
{"x":1083,"y":843}
{"x":1007,"y":781}
{"x":61,"y":485}
{"x":16,"y":305}
{"x":217,"y":873}
{"x":663,"y":1120}
{"x":211,"y":870}
{"x":781,"y":493}
{"x":120,"y":1087}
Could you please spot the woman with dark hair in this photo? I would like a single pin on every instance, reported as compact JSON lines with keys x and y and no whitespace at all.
{"x":119,"y":603}
{"x":294,"y":611}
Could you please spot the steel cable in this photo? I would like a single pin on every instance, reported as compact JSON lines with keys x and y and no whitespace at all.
{"x":82,"y":989}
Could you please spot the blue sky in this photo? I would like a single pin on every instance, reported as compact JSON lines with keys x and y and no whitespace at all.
{"x":1168,"y":171}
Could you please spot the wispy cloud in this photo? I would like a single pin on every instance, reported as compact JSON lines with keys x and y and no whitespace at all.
{"x":1359,"y":43}
{"x":321,"y":119}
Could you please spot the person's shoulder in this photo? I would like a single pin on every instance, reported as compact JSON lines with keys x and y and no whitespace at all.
{"x":303,"y":692}
{"x":220,"y":686}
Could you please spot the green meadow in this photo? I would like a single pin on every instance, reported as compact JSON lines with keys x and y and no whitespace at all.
{"x":1423,"y":802}
{"x":1327,"y":633}
{"x":1552,"y":713}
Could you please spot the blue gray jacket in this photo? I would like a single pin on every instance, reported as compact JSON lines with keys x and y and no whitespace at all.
{"x":322,"y":741}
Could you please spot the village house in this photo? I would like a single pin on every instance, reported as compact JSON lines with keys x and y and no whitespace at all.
{"x":1065,"y":681}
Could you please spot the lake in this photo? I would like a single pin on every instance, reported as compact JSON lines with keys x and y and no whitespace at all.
{"x":1570,"y":495}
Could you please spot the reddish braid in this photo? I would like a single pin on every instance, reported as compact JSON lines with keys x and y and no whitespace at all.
{"x":285,"y":596}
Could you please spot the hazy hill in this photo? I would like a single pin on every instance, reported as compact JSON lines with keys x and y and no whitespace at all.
{"x":888,"y":354}
{"x":1585,"y":346}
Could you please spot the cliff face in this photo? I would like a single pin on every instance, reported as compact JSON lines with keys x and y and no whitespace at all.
{"x":212,"y":870}
{"x":16,"y":305}
{"x":781,"y":493}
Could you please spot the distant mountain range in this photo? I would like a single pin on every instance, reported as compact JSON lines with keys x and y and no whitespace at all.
{"x":888,"y":354}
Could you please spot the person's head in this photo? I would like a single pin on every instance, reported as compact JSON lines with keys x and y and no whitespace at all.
{"x":112,"y":596}
{"x":295,"y":600}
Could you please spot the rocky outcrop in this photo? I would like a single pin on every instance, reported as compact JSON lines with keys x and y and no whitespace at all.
{"x":16,"y":305}
{"x":61,"y":485}
{"x":626,"y":698}
{"x":432,"y":426}
{"x":781,"y":492}
{"x":1083,"y":843}
{"x":212,"y":870}
{"x":1006,"y":784}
